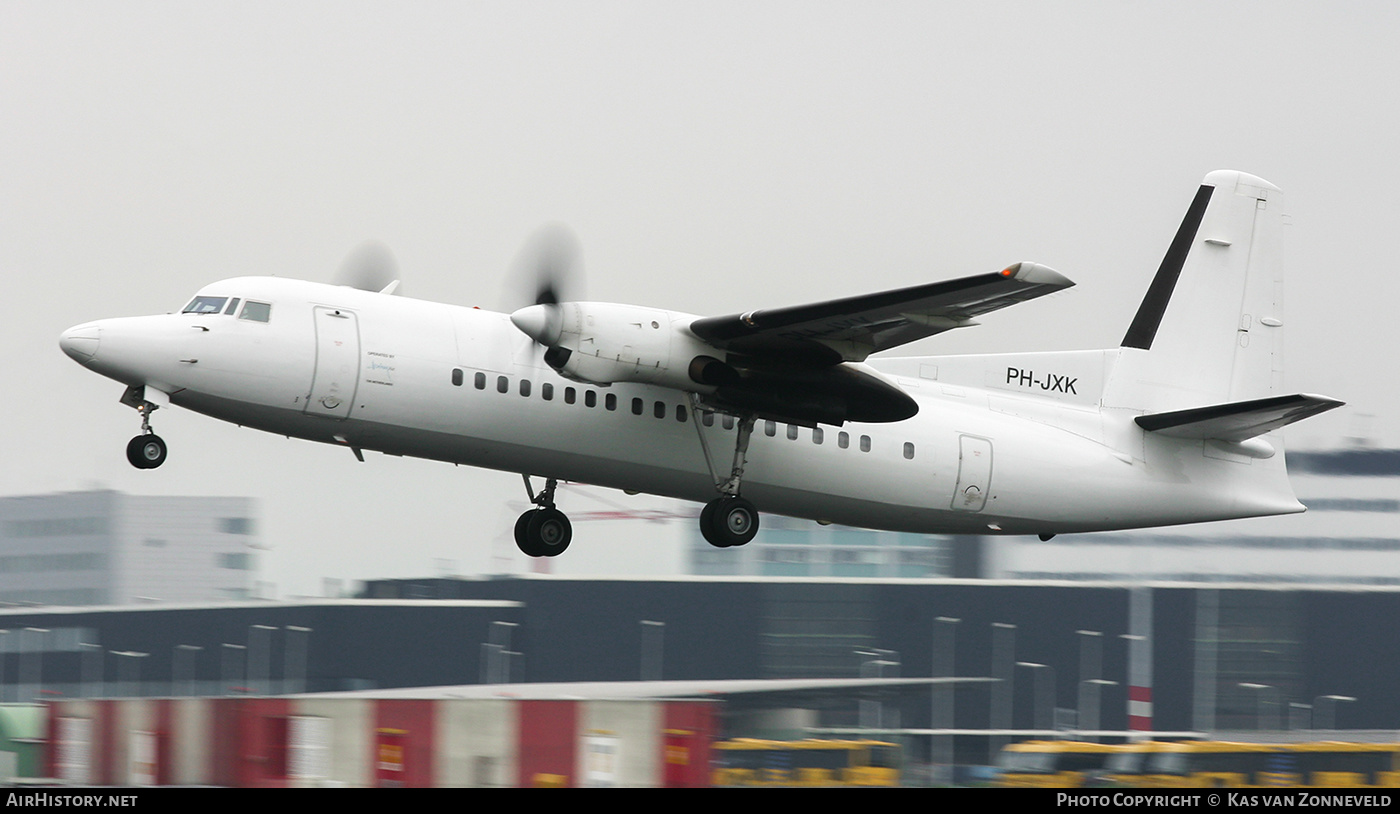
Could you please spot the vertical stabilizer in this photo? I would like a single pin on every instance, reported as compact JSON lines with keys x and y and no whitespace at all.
{"x":1208,"y":330}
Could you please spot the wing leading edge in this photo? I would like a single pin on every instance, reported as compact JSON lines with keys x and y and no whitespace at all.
{"x":852,"y":328}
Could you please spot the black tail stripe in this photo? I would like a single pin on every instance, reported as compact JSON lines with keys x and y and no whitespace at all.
{"x":1154,"y":305}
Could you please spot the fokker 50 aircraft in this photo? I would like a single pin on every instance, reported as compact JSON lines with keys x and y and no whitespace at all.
{"x":781,"y":409}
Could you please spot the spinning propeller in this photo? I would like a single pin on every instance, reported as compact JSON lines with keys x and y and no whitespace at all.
{"x":370,"y":266}
{"x":547,"y":272}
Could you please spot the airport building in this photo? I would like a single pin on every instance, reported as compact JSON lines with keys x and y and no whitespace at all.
{"x":104,"y":547}
{"x":932,"y":664}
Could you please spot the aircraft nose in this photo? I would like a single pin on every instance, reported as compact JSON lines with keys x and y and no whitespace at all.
{"x":80,"y":341}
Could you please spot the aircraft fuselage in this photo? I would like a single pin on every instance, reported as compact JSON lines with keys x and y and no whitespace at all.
{"x":1040,"y":453}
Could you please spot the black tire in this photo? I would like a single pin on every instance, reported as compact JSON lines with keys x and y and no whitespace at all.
{"x":522,"y":537}
{"x":729,"y":521}
{"x":549,"y":531}
{"x":146,"y":451}
{"x":706,"y":518}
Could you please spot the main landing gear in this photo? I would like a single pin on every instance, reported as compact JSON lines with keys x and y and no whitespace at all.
{"x":728,"y":520}
{"x":545,"y":531}
{"x":147,"y":450}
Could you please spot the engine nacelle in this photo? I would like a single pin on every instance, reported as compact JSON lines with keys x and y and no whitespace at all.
{"x":603,"y":342}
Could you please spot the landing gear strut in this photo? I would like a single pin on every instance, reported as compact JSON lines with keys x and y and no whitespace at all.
{"x":147,"y":450}
{"x":728,"y":520}
{"x":545,"y":531}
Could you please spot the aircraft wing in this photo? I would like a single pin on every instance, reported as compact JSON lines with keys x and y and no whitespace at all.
{"x":852,"y":328}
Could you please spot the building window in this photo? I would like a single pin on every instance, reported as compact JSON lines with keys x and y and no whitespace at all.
{"x":236,"y":525}
{"x":239,"y":561}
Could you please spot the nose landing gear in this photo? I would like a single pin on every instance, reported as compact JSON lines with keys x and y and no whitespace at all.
{"x":545,"y":531}
{"x":147,"y":450}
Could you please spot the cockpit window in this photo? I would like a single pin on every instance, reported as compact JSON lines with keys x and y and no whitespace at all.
{"x":256,"y":311}
{"x":205,"y":305}
{"x":232,"y":306}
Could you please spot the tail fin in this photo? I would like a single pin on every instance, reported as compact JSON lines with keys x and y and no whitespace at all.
{"x":1208,"y":330}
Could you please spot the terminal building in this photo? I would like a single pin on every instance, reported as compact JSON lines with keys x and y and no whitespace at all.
{"x":108,"y":548}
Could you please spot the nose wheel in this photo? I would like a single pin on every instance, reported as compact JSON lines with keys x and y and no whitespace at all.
{"x":545,"y":531}
{"x":146,"y":451}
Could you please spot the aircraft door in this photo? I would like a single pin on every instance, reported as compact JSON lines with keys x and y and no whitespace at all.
{"x":337,"y":363}
{"x":974,"y":473}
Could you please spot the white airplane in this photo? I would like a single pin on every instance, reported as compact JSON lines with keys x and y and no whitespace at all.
{"x":1177,"y":425}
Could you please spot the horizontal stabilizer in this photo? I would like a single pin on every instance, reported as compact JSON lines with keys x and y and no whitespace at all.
{"x":1238,"y":420}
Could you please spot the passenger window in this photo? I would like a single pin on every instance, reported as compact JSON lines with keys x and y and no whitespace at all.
{"x":843,"y":440}
{"x":525,"y":387}
{"x":707,"y":418}
{"x":502,"y":384}
{"x":569,"y":395}
{"x":611,"y":401}
{"x":728,"y":422}
{"x":659,"y":410}
{"x":457,"y":376}
{"x":256,"y":311}
{"x":865,"y":443}
{"x":480,"y":381}
{"x":680,"y":413}
{"x":590,"y":398}
{"x":792,"y":432}
{"x":770,"y":428}
{"x":547,"y":391}
{"x":818,"y":435}
{"x":908,"y":450}
{"x":636,"y":406}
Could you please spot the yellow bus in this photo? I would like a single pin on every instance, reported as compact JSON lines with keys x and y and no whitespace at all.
{"x":1200,"y":764}
{"x":1325,"y":764}
{"x":1054,"y":764}
{"x":753,"y":762}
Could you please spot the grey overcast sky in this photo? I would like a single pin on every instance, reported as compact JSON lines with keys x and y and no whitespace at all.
{"x":711,"y":157}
